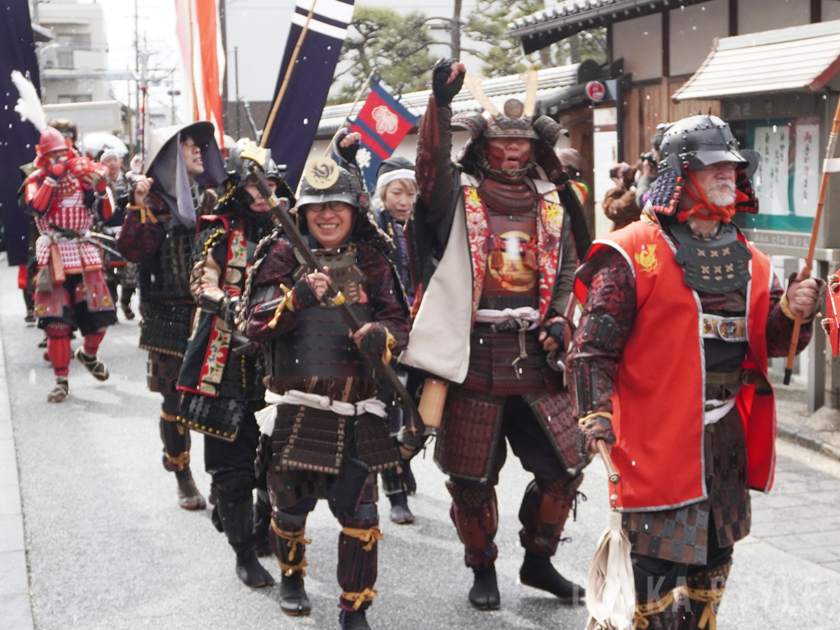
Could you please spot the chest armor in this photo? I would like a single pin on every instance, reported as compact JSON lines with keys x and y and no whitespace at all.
{"x":171,"y":273}
{"x":67,"y":208}
{"x":511,"y":279}
{"x":718,"y":265}
{"x":320,"y":345}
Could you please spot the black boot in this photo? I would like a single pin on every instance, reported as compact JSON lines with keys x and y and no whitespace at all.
{"x":538,"y":572}
{"x":392,"y":485}
{"x":293,"y":598}
{"x":262,"y":523}
{"x":236,"y":513}
{"x":484,"y":593}
{"x":353,"y":620}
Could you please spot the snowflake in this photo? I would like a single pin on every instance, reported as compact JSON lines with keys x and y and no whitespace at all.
{"x":363,"y":158}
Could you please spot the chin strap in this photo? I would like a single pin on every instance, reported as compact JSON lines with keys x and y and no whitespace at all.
{"x":705,"y":209}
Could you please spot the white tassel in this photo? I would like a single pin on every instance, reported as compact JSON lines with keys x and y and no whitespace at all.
{"x":28,"y":104}
{"x":610,"y":589}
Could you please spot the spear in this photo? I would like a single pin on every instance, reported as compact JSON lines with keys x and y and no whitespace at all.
{"x":829,"y":166}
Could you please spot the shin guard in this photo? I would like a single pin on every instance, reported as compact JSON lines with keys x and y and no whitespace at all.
{"x":700,"y":599}
{"x":357,"y":557}
{"x":543,"y":514}
{"x":288,"y":542}
{"x":475,"y":513}
{"x":58,"y":347}
{"x":175,"y":437}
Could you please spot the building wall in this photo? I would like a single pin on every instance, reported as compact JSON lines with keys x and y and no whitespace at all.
{"x":639,"y":41}
{"x":691,"y":31}
{"x":763,"y":15}
{"x":830,"y":10}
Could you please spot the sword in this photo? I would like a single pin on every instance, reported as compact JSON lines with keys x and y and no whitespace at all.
{"x":280,"y":208}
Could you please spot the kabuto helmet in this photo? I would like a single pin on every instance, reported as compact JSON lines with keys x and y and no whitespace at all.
{"x":694,"y":143}
{"x":242,"y":158}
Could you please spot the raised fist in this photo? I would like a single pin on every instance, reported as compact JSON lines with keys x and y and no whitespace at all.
{"x":447,"y":80}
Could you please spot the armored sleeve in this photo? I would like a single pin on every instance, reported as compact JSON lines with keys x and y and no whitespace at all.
{"x":436,"y":174}
{"x":388,"y":309}
{"x":780,"y":325}
{"x":565,"y":280}
{"x":210,"y":253}
{"x":604,"y":328}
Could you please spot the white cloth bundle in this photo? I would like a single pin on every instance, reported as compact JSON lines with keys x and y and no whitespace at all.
{"x":610,"y":589}
{"x":267,"y":415}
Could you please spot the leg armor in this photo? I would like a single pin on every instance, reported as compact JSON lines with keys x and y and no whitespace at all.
{"x":175,"y":437}
{"x":545,"y":508}
{"x":656,"y":591}
{"x":286,"y":535}
{"x":475,"y":513}
{"x":393,"y":483}
{"x":58,"y":347}
{"x":235,"y":505}
{"x":357,"y":557}
{"x":700,"y":598}
{"x":262,"y":524}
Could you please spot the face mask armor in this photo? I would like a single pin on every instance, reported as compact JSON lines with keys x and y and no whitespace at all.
{"x":694,"y":143}
{"x":244,"y":156}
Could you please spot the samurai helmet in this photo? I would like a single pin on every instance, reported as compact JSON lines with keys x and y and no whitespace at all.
{"x":694,"y":143}
{"x":52,"y":140}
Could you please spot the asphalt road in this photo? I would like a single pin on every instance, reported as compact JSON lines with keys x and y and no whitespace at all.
{"x":108,"y":547}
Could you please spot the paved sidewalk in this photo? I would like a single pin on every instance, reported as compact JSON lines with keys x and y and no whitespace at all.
{"x":819,"y":431}
{"x":15,"y":606}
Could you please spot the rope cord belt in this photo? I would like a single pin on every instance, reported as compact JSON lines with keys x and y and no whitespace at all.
{"x":710,"y":597}
{"x":643,"y":611}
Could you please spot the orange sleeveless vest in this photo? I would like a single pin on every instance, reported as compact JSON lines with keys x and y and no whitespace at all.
{"x":660,"y":382}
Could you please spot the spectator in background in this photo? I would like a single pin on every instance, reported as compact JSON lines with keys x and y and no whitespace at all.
{"x":620,"y":203}
{"x":648,"y":169}
{"x":571,"y":160}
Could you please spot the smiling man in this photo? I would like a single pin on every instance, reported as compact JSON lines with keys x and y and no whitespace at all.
{"x":680,"y":316}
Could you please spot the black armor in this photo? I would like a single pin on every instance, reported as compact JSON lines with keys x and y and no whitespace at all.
{"x":717,"y":265}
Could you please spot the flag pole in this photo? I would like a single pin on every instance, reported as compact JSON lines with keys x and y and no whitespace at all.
{"x":828,"y":168}
{"x":350,"y":113}
{"x":286,"y":78}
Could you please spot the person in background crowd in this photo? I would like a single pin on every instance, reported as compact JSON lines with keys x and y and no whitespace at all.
{"x":649,"y":166}
{"x":619,"y":203}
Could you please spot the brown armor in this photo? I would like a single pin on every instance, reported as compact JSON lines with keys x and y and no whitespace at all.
{"x":475,"y":513}
{"x":545,"y":509}
{"x":512,"y":275}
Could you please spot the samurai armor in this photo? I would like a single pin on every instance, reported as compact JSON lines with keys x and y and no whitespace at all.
{"x":166,"y":328}
{"x":544,"y":511}
{"x":469,"y":435}
{"x":357,"y":559}
{"x":555,"y":412}
{"x":174,"y":263}
{"x":700,"y":598}
{"x":681,"y":535}
{"x":162,"y":372}
{"x":219,"y":417}
{"x":475,"y":513}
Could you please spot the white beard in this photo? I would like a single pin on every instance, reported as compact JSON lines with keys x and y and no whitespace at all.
{"x":722,"y":194}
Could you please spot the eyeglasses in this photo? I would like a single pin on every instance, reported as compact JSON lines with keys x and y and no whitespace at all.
{"x":334,"y":206}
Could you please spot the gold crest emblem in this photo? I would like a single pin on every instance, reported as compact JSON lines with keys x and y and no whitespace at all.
{"x":251,"y":151}
{"x":646,"y":258}
{"x":321,"y":173}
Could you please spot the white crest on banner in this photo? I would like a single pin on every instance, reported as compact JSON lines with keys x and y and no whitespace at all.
{"x":386,"y":120}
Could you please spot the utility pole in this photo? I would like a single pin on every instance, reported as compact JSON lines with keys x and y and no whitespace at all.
{"x":144,"y":87}
{"x":236,"y":67}
{"x":172,"y":94}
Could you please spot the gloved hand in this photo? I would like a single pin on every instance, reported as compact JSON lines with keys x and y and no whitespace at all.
{"x":347,"y":144}
{"x":444,"y":85}
{"x":371,"y":340}
{"x":595,"y":427}
{"x":57,"y":169}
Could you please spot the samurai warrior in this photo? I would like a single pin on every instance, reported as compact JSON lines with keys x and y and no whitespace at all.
{"x":491,"y":322}
{"x":158,"y":232}
{"x":70,"y":289}
{"x":680,"y":315}
{"x":220,"y":381}
{"x":325,"y":434}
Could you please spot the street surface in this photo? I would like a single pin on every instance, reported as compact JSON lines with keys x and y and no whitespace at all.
{"x":108,"y":547}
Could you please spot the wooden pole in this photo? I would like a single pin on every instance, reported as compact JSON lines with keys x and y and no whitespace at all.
{"x":809,"y":261}
{"x":267,"y":131}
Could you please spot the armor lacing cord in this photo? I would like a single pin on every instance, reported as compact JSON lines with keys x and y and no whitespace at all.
{"x":710,"y":597}
{"x":390,"y":344}
{"x":213,"y":239}
{"x":293,"y":539}
{"x":523,"y":354}
{"x":643,"y":611}
{"x":169,"y":417}
{"x":179,"y":461}
{"x":145,"y":213}
{"x":597,"y":414}
{"x":358,"y":599}
{"x":705,"y":209}
{"x":370,"y":536}
{"x":286,"y":302}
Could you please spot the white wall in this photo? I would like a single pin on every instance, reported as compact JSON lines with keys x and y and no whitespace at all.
{"x":691,"y":33}
{"x":830,"y":10}
{"x":639,"y":41}
{"x":764,"y":15}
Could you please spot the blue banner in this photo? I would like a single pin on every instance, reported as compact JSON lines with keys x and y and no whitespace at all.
{"x":293,"y":131}
{"x":17,"y":52}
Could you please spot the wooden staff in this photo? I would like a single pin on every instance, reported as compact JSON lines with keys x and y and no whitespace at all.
{"x":350,"y":113}
{"x":286,"y":78}
{"x":806,"y":271}
{"x":604,"y":452}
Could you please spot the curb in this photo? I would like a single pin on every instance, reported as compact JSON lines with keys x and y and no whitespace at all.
{"x":15,"y":600}
{"x":810,"y":439}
